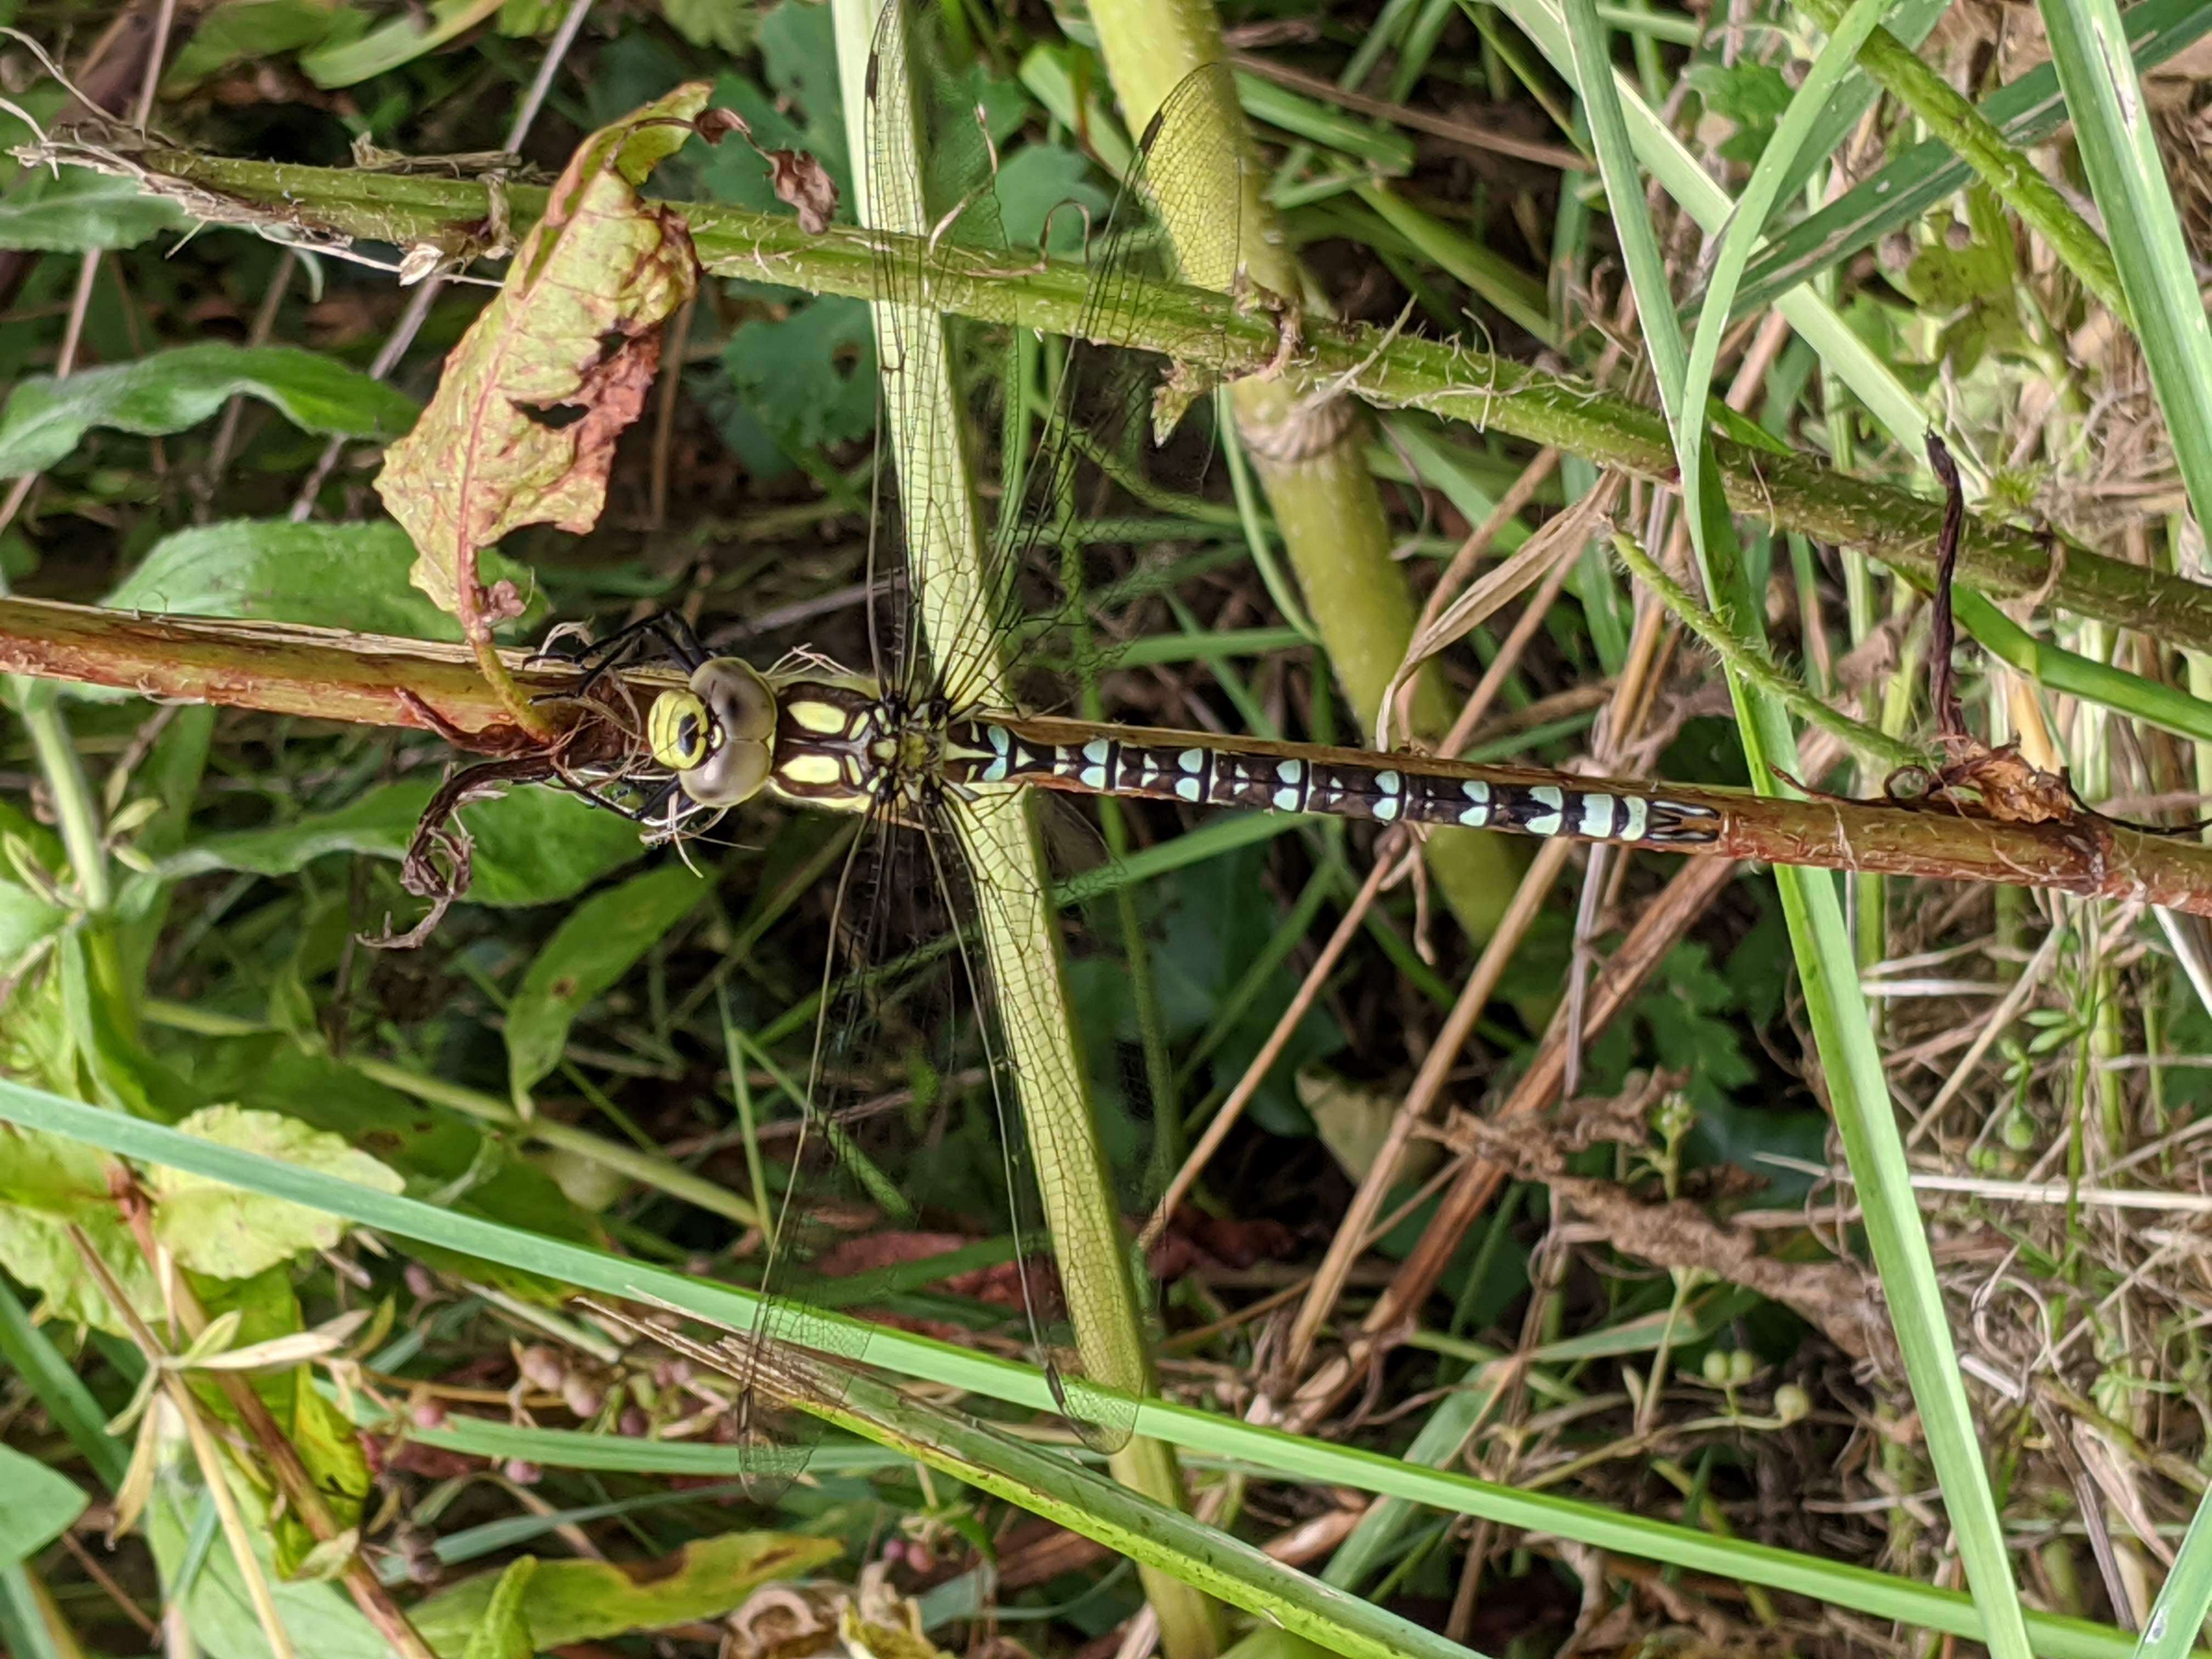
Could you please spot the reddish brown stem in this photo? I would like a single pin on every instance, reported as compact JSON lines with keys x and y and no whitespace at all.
{"x":365,"y":678}
{"x":376,"y":680}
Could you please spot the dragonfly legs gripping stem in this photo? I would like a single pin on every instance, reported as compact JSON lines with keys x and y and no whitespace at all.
{"x":602,"y":657}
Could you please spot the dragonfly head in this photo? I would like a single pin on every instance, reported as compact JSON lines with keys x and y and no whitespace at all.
{"x":717,"y":734}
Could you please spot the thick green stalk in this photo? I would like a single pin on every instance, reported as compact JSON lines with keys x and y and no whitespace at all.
{"x":1308,"y":460}
{"x":1791,"y":492}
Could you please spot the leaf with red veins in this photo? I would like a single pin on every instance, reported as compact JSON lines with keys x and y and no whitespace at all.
{"x":534,"y":399}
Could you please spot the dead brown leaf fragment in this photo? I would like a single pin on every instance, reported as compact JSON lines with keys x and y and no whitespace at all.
{"x":807,"y":185}
{"x":534,"y":399}
{"x":800,"y":181}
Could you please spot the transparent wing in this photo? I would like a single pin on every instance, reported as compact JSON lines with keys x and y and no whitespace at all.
{"x":834,"y":1178}
{"x":1111,"y":412}
{"x":1071,"y":427}
{"x":927,"y":543}
{"x":910,"y":1140}
{"x":964,"y":592}
{"x":1072,"y":1246}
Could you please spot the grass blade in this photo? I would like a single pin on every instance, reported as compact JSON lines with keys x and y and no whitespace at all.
{"x":1285,"y":1456}
{"x":2118,"y":146}
{"x":1835,"y":1006}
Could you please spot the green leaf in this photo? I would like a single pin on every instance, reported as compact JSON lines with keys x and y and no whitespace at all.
{"x":504,"y":1632}
{"x":809,"y":378}
{"x":1040,"y":187}
{"x":474,"y":1175}
{"x":243,"y":31}
{"x":330,"y":1449}
{"x":522,"y":427}
{"x":63,"y":1179}
{"x":36,"y":1248}
{"x":27,"y":919}
{"x":47,"y":1375}
{"x":1691,"y":1031}
{"x":593,"y":1601}
{"x":82,"y":212}
{"x":329,"y":575}
{"x":40,"y":1506}
{"x":715,"y":24}
{"x":598,"y":943}
{"x":428,"y":1145}
{"x":532,"y":846}
{"x":219,"y":1231}
{"x":411,"y":33}
{"x":27,"y":922}
{"x":320,"y":1618}
{"x":1750,"y":93}
{"x":171,"y":391}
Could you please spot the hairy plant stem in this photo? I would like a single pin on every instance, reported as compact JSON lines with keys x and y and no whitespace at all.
{"x":1750,"y":661}
{"x":1790,"y":492}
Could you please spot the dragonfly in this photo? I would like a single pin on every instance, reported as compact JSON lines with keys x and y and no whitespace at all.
{"x":939,"y":748}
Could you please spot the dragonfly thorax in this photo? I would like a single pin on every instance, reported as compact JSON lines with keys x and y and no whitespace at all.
{"x":843,"y":744}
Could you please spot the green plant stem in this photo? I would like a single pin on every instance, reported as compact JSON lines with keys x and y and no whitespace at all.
{"x":1971,"y":135}
{"x":1835,"y":1004}
{"x":1790,"y":492}
{"x":1051,"y":1107}
{"x":2116,"y":134}
{"x":2053,"y":666}
{"x":75,"y":814}
{"x":1877,"y":748}
{"x":378,"y":679}
{"x":1318,"y":486}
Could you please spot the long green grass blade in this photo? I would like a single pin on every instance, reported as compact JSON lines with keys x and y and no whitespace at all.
{"x":945,"y":540}
{"x":2118,"y":141}
{"x":2177,"y":1618}
{"x":1280,"y":1455}
{"x":2006,"y":170}
{"x":1682,"y":177}
{"x":1088,"y":1503}
{"x":1913,"y":181}
{"x":1836,"y":1009}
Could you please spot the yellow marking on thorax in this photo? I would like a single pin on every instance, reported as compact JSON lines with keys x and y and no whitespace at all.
{"x":818,"y":771}
{"x":825,"y":719}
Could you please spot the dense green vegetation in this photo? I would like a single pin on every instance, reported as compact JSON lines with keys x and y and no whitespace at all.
{"x":1570,"y":1247}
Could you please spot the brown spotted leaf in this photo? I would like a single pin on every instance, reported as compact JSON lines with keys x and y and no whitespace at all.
{"x":523,"y":425}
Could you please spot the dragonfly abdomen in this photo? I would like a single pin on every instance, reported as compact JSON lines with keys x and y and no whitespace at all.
{"x":1387,"y":790}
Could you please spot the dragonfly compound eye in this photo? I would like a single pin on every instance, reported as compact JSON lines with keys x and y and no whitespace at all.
{"x":676,"y":730}
{"x":733,"y":740}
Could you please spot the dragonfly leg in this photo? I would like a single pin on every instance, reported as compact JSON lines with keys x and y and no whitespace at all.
{"x":601,"y":657}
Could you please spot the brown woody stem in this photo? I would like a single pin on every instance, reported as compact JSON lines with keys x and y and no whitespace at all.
{"x":375,"y":680}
